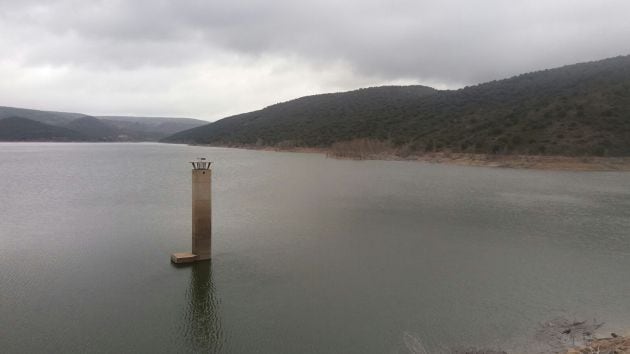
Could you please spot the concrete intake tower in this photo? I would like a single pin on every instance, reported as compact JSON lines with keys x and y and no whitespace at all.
{"x":201,"y":214}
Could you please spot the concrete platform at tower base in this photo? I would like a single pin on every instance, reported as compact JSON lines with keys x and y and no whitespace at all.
{"x":186,"y":257}
{"x":183,"y":257}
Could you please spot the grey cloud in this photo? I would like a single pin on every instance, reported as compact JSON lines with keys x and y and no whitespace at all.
{"x":212,"y":57}
{"x":447,"y":41}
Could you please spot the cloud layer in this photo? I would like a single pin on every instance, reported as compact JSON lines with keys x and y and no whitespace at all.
{"x":208,"y":59}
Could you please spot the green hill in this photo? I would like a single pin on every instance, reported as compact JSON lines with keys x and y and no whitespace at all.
{"x":24,"y":129}
{"x":581,"y":109}
{"x":46,"y":117}
{"x":107,"y":128}
{"x":150,"y":128}
{"x":317,"y":120}
{"x":94,"y":129}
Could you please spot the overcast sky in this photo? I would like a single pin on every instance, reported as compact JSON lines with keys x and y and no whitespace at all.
{"x":211,"y":58}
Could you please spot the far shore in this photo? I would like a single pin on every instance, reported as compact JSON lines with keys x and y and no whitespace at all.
{"x":536,"y":162}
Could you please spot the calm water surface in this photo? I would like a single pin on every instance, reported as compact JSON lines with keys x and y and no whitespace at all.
{"x":310,"y":255}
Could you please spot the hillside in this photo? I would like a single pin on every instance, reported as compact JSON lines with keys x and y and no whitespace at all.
{"x":151,"y":128}
{"x":110,"y":128}
{"x":24,"y":129}
{"x":94,"y":129}
{"x":46,"y":117}
{"x":581,"y":109}
{"x":315,"y":120}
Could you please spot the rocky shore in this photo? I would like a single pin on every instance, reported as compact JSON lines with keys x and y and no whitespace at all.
{"x":611,"y":345}
{"x":560,"y":163}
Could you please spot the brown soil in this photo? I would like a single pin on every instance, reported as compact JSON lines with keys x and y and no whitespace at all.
{"x":565,"y":163}
{"x":619,"y":345}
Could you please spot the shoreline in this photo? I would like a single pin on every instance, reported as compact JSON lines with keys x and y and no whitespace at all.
{"x":529,"y":162}
{"x":618,"y":344}
{"x":533,"y":162}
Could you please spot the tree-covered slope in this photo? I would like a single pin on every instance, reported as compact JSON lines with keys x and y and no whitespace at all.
{"x":46,"y":117}
{"x":151,"y":128}
{"x":581,"y":109}
{"x":307,"y":120}
{"x":94,"y":129}
{"x":107,"y":128}
{"x":24,"y":129}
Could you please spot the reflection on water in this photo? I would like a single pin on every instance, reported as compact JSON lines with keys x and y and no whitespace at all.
{"x":312,"y":254}
{"x":202,"y":324}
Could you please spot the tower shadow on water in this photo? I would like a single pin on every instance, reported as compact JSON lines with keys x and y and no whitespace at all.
{"x":202,"y":325}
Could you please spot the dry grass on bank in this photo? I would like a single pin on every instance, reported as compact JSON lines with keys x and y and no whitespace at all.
{"x":362,"y":149}
{"x":369,"y":149}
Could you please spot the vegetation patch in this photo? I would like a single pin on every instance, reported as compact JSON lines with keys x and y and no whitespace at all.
{"x":577,"y":110}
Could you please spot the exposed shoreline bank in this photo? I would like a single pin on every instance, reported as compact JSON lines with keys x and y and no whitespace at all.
{"x":536,"y":162}
{"x":617,"y":345}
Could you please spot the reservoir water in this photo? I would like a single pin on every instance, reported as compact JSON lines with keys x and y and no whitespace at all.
{"x":310,"y":255}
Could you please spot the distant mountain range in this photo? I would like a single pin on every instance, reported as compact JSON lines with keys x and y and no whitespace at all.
{"x":578,"y":110}
{"x":19,"y":124}
{"x":24,"y":129}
